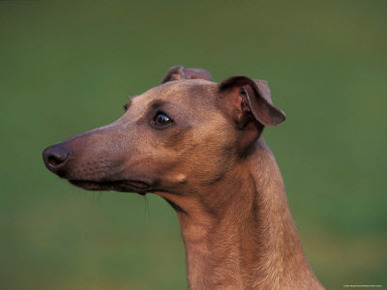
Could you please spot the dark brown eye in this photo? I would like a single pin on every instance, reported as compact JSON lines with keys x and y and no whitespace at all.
{"x":126,"y":106}
{"x":162,"y":120}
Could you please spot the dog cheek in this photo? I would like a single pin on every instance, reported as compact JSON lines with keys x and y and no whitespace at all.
{"x":178,"y":139}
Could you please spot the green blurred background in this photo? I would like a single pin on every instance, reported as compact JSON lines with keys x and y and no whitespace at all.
{"x":66,"y":67}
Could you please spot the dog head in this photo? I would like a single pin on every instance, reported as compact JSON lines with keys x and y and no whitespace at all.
{"x":185,"y":133}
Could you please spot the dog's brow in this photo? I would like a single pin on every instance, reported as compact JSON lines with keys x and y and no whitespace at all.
{"x":157,"y":104}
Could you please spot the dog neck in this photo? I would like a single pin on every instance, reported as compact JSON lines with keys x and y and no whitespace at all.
{"x":240,"y":234}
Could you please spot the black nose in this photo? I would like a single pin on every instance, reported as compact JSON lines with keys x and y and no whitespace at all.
{"x":55,"y":157}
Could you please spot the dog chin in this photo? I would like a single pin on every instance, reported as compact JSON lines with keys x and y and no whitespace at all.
{"x":118,"y":185}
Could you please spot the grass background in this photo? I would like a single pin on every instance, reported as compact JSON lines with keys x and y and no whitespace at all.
{"x":66,"y":67}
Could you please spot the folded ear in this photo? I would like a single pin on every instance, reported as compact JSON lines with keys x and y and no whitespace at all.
{"x":251,"y":98}
{"x":178,"y":72}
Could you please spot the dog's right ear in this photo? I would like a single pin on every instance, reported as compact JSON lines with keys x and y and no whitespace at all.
{"x":251,"y":98}
{"x":249,"y":104}
{"x":178,"y":72}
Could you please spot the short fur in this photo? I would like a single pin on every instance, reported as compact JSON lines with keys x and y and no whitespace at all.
{"x":211,"y":163}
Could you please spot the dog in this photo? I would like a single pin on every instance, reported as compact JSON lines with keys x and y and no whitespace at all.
{"x":198,"y":144}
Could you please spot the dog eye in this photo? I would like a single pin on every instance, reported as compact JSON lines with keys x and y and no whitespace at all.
{"x":162,"y":120}
{"x":126,"y":106}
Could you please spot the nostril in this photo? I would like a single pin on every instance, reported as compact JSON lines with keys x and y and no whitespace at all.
{"x":55,"y":156}
{"x":55,"y":159}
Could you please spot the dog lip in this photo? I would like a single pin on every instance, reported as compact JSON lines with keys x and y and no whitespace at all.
{"x":118,"y":185}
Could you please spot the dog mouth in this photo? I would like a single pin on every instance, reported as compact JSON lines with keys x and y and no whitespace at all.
{"x":116,"y":185}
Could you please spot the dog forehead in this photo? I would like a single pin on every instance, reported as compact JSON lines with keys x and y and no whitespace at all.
{"x":184,"y":92}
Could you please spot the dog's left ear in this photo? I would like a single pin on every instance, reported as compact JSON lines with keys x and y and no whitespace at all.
{"x":250,"y":99}
{"x":178,"y":72}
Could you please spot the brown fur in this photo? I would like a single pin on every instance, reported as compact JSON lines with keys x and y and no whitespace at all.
{"x":215,"y":169}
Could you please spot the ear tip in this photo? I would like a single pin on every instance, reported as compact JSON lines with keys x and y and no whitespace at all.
{"x":176,"y":69}
{"x":280,"y":117}
{"x":178,"y":72}
{"x":283,"y":117}
{"x":276,"y":117}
